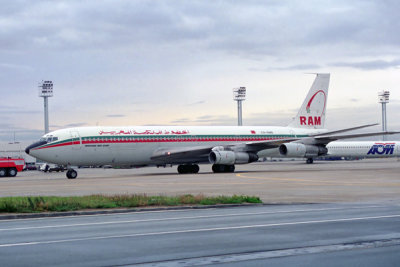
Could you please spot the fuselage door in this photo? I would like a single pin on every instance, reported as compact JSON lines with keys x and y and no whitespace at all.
{"x":75,"y":140}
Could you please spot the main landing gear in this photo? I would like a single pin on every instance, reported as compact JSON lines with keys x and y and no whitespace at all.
{"x":223,"y":168}
{"x":310,"y":161}
{"x":72,"y":174}
{"x":188,"y":168}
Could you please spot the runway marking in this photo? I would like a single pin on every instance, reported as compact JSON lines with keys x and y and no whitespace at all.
{"x":197,"y":230}
{"x":179,"y":218}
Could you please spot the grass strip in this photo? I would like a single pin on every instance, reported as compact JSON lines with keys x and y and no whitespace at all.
{"x":33,"y":204}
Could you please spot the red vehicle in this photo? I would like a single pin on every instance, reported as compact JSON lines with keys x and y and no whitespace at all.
{"x":11,"y":166}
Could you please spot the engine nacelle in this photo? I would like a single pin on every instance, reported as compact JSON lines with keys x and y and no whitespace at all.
{"x":297,"y":150}
{"x":230,"y":157}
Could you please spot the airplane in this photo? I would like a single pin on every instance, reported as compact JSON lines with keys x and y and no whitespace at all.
{"x":188,"y":146}
{"x":364,"y":149}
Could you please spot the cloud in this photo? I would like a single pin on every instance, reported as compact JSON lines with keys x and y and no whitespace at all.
{"x":116,"y":115}
{"x":15,"y":67}
{"x":270,"y":28}
{"x":205,"y":117}
{"x":80,"y":124}
{"x":369,"y":65}
{"x":206,"y":120}
{"x":197,"y":103}
{"x":126,"y":57}
{"x":17,"y":110}
{"x":181,"y":120}
{"x":21,"y":134}
{"x":293,"y":67}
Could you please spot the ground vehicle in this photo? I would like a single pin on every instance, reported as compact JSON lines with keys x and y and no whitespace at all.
{"x":30,"y":166}
{"x":51,"y":168}
{"x":11,"y":166}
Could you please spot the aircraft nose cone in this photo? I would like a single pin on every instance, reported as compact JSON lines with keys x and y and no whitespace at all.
{"x":36,"y":144}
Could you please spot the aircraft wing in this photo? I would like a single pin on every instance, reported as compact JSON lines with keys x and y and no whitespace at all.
{"x":200,"y":154}
{"x":324,"y":140}
{"x":316,"y":139}
{"x":261,"y":145}
{"x":346,"y":129}
{"x":182,"y":154}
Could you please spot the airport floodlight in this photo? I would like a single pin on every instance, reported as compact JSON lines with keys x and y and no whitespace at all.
{"x":384,"y":96}
{"x":239,"y":95}
{"x":383,"y":99}
{"x":46,"y":91}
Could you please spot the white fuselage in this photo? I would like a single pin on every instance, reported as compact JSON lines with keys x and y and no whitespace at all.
{"x":135,"y":145}
{"x":366,"y":149}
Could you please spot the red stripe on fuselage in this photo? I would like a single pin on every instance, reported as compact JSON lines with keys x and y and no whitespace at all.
{"x":188,"y":140}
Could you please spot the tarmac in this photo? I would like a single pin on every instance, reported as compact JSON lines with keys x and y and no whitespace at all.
{"x":336,"y":234}
{"x":286,"y":182}
{"x":340,"y":213}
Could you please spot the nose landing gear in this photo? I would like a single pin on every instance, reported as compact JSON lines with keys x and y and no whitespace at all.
{"x":72,"y":174}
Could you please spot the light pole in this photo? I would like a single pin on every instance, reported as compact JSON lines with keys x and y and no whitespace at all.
{"x":383,"y":99}
{"x":239,"y":95}
{"x":46,"y":91}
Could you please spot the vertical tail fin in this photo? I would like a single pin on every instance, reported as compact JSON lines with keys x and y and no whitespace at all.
{"x":312,"y":113}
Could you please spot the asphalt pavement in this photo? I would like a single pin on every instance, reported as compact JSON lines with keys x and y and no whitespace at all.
{"x":274,"y":235}
{"x":274,"y":182}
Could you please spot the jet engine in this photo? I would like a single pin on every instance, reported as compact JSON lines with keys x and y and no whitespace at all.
{"x":231,"y":157}
{"x":297,"y":150}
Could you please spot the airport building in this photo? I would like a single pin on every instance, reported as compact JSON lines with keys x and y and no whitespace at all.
{"x":15,"y":149}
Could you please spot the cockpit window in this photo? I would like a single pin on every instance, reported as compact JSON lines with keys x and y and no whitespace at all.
{"x":49,"y":139}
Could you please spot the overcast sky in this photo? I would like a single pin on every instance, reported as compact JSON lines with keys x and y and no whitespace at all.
{"x":176,"y":62}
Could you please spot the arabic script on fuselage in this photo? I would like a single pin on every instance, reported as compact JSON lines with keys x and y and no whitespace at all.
{"x":145,"y":132}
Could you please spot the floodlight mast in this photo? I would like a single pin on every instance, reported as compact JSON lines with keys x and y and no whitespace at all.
{"x":46,"y":91}
{"x":239,"y":95}
{"x":383,"y":99}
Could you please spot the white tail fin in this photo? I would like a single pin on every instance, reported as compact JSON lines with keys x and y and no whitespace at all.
{"x":312,"y":113}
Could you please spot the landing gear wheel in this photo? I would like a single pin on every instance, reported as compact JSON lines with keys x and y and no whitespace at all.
{"x":195,"y":168}
{"x":218,"y":168}
{"x":182,"y":169}
{"x":71,"y":174}
{"x":12,"y":172}
{"x":188,"y":168}
{"x":310,"y":160}
{"x":230,"y":168}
